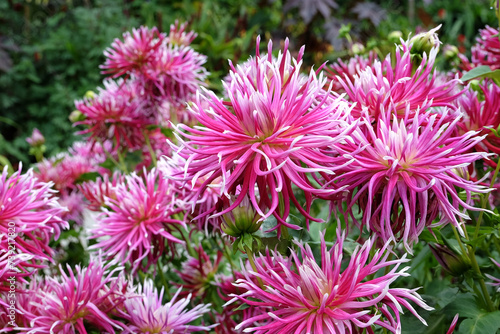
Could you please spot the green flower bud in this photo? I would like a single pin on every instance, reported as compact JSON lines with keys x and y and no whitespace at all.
{"x":357,"y":48}
{"x":425,"y":42}
{"x":76,"y":116}
{"x":89,"y":95}
{"x":241,"y":220}
{"x":453,"y":262}
{"x":450,"y":52}
{"x":395,"y":36}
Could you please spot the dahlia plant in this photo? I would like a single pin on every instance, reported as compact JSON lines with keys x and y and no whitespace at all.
{"x":277,"y":129}
{"x":360,"y":197}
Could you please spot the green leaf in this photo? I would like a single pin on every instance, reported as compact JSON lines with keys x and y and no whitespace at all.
{"x":481,"y":71}
{"x":465,"y":305}
{"x":91,"y":176}
{"x":483,"y":323}
{"x":248,"y":240}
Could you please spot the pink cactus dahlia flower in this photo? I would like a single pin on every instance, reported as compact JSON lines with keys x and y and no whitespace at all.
{"x":308,"y":297}
{"x":409,"y":172}
{"x":276,"y":130}
{"x":64,"y":169}
{"x":95,"y":192}
{"x":178,"y":34}
{"x":64,"y":304}
{"x":196,"y":207}
{"x":198,"y":274}
{"x":29,"y":214}
{"x":482,"y":116}
{"x":116,"y":113}
{"x":139,"y":220}
{"x":487,"y":49}
{"x":134,"y":52}
{"x":348,"y":69}
{"x":381,"y":85}
{"x":175,"y":74}
{"x":147,"y":314}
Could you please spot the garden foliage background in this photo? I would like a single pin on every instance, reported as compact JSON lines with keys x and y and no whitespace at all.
{"x":50,"y":53}
{"x":50,"y":50}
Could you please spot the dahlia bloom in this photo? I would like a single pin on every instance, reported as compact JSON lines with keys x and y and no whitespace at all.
{"x":29,"y":210}
{"x":64,"y":304}
{"x":381,"y":85}
{"x":95,"y":192}
{"x":64,"y":169}
{"x":348,"y":69}
{"x":174,"y":74}
{"x":178,"y":34}
{"x":483,"y":115}
{"x":487,"y":49}
{"x":134,"y":52}
{"x":309,"y":298}
{"x":12,"y":266}
{"x":276,"y":129}
{"x":147,"y":314}
{"x":36,"y":138}
{"x":116,"y":113}
{"x":196,"y":207}
{"x":138,"y":222}
{"x":409,"y":172}
{"x":198,"y":274}
{"x":166,"y":67}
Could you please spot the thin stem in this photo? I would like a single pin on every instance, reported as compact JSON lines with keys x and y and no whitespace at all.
{"x":228,"y":255}
{"x":189,"y":247}
{"x":150,"y":148}
{"x":472,"y":249}
{"x":484,"y":290}
{"x":460,"y":243}
{"x":252,"y":263}
{"x":122,"y":161}
{"x":485,"y":201}
{"x":109,"y":156}
{"x":163,"y":280}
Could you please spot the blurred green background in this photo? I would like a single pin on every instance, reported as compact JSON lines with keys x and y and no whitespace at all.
{"x":50,"y":50}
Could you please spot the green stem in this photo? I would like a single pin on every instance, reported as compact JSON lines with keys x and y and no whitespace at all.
{"x":284,"y":232}
{"x":150,"y":148}
{"x":460,"y":243}
{"x":189,"y":247}
{"x":484,"y":201}
{"x":484,"y":290}
{"x":122,"y":162}
{"x":472,"y":249}
{"x":163,"y":280}
{"x":228,"y":255}
{"x":252,"y":263}
{"x":110,"y":157}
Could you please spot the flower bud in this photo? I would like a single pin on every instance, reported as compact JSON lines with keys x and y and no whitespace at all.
{"x":241,"y":220}
{"x":36,"y":139}
{"x":453,"y":262}
{"x":76,"y":116}
{"x":395,"y":36}
{"x":89,"y":95}
{"x":450,"y":52}
{"x":357,"y":48}
{"x":425,"y":42}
